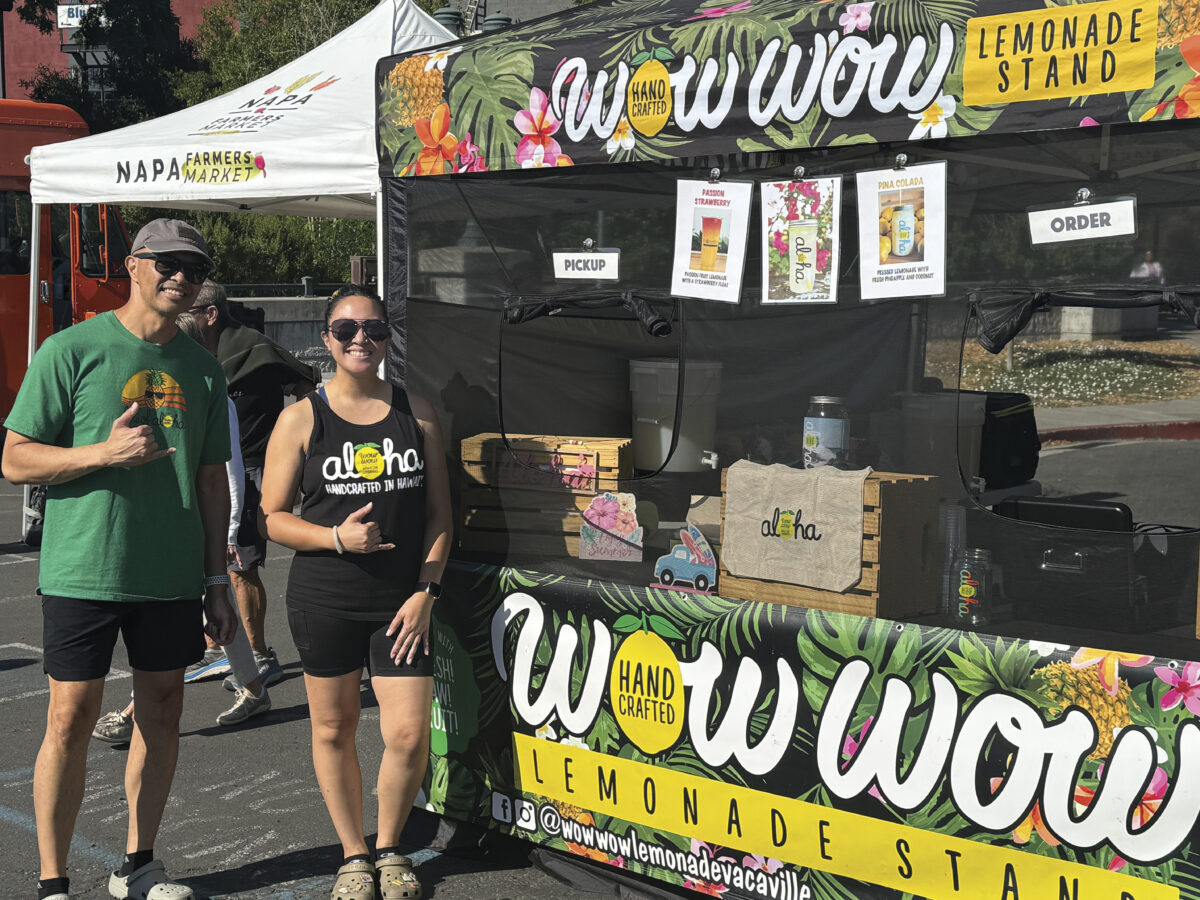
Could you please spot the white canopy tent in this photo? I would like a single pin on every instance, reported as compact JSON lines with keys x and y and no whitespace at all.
{"x":300,"y":141}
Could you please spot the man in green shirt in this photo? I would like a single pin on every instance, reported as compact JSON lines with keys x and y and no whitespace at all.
{"x":126,"y":420}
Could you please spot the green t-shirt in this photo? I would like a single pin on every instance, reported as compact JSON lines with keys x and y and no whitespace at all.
{"x":124,"y":534}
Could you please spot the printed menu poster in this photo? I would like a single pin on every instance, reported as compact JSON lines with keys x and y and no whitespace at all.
{"x":712,"y":220}
{"x":902,"y":232}
{"x":800,"y":240}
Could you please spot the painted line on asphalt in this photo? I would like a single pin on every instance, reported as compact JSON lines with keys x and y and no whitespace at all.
{"x":114,"y":673}
{"x":79,"y":845}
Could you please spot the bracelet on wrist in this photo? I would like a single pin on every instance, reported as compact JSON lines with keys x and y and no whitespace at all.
{"x":211,"y":580}
{"x":337,"y":542}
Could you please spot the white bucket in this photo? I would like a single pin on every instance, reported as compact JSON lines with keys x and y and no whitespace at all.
{"x":652,"y":383}
{"x":929,"y":427}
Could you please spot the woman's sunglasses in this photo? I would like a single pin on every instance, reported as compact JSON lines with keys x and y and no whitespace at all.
{"x":344,"y":330}
{"x":168,"y":265}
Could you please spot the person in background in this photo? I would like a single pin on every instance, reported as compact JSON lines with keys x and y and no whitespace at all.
{"x":1148,"y":269}
{"x":252,"y":698}
{"x":126,"y":420}
{"x":371,"y":542}
{"x":261,"y":375}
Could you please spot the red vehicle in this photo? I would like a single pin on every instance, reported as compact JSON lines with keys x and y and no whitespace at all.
{"x":81,"y":266}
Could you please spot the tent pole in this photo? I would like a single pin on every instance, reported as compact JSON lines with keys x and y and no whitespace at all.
{"x":380,"y":261}
{"x":35,"y":282}
{"x":35,"y":276}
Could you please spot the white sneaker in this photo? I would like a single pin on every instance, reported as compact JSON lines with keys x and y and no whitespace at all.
{"x":245,"y":705}
{"x":150,"y":882}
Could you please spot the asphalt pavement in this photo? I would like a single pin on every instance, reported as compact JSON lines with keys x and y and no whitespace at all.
{"x":245,"y":819}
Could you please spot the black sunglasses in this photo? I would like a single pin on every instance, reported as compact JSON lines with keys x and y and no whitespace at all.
{"x":168,"y":265}
{"x":344,"y":330}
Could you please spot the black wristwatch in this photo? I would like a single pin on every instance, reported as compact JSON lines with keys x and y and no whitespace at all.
{"x":432,"y":588}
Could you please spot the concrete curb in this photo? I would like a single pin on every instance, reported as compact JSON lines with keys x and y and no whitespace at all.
{"x":1130,"y":431}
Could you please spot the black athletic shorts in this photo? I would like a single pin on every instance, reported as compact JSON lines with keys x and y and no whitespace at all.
{"x":251,"y":545}
{"x":78,"y":636}
{"x":331,"y":645}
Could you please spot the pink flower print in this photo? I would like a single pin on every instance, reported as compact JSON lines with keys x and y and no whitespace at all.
{"x":823,"y":260}
{"x":469,"y":157}
{"x":792,"y":212}
{"x":719,"y":11}
{"x":602,"y":512}
{"x":1088,"y":122}
{"x":1142,"y":813}
{"x":761,"y":864}
{"x":537,"y":125}
{"x":1108,"y":663}
{"x":809,"y":188}
{"x":856,"y":17}
{"x":1185,"y":687}
{"x":626,"y":522}
{"x":779,"y":242}
{"x":850,"y":748}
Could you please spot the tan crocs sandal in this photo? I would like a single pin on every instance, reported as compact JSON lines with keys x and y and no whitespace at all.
{"x":396,"y":879}
{"x":150,"y":882}
{"x":355,"y":881}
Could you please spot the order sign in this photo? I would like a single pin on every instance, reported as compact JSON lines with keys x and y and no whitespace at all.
{"x":591,"y":265}
{"x":1089,"y":222}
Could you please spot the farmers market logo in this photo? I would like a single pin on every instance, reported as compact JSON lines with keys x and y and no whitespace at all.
{"x":835,"y":73}
{"x":200,"y":167}
{"x":255,"y":112}
{"x":159,"y":397}
{"x":657,"y":698}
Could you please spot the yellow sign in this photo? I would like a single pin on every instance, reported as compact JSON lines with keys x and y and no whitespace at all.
{"x":1065,"y":51}
{"x":647,"y":692}
{"x":223,"y":166}
{"x":648,"y":100}
{"x":922,"y":863}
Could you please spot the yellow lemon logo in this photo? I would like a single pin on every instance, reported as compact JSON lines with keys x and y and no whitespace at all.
{"x":648,"y":98}
{"x":646,"y":686}
{"x":168,"y":421}
{"x":368,"y":461}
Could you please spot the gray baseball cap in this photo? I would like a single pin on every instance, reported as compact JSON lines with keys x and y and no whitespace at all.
{"x":170,"y":236}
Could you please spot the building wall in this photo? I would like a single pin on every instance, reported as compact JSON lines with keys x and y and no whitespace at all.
{"x":25,"y":48}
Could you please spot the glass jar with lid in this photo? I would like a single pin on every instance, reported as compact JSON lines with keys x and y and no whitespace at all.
{"x":826,"y":432}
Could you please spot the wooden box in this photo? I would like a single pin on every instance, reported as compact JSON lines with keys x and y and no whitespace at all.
{"x":900,"y":556}
{"x":534,"y":504}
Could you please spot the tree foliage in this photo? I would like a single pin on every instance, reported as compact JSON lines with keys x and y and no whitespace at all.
{"x":141,"y":41}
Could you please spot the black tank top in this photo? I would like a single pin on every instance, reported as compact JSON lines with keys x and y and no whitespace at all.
{"x":345,"y":467}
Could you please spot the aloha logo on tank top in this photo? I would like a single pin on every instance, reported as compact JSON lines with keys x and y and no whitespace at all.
{"x":370,"y":461}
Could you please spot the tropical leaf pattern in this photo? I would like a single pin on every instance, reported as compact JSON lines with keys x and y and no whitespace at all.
{"x":1115,"y":690}
{"x":501,"y":104}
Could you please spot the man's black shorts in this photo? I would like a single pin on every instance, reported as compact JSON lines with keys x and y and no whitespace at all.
{"x":78,"y":636}
{"x":251,"y":545}
{"x":330,"y":646}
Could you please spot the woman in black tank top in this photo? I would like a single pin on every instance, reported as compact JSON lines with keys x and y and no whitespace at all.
{"x":371,"y":542}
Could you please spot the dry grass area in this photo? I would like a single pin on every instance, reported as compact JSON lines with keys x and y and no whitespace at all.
{"x":1075,"y":373}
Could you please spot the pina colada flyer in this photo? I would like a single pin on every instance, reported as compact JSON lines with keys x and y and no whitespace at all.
{"x":800,"y":222}
{"x":902,"y":232}
{"x":712,"y":219}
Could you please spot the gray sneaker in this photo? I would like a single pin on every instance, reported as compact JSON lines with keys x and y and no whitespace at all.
{"x":245,"y":705}
{"x":269,"y":671}
{"x":114,"y":728}
{"x":213,"y":663}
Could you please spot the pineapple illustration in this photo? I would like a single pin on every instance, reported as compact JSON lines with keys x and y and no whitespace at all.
{"x":1177,"y":21}
{"x":419,"y":90}
{"x":1065,"y":687}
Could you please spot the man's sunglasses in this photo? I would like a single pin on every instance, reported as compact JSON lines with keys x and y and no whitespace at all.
{"x":345,"y":330}
{"x":168,"y":265}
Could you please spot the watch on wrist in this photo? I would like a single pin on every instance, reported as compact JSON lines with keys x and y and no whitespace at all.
{"x":432,"y":588}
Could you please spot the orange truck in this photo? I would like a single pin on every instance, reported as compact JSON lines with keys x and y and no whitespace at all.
{"x":80,"y":269}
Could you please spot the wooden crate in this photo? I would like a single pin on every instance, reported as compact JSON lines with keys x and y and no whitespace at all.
{"x":900,"y":555}
{"x":508,"y":508}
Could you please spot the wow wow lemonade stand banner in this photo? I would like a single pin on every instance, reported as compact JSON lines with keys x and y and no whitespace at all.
{"x":663,"y":79}
{"x":751,"y":750}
